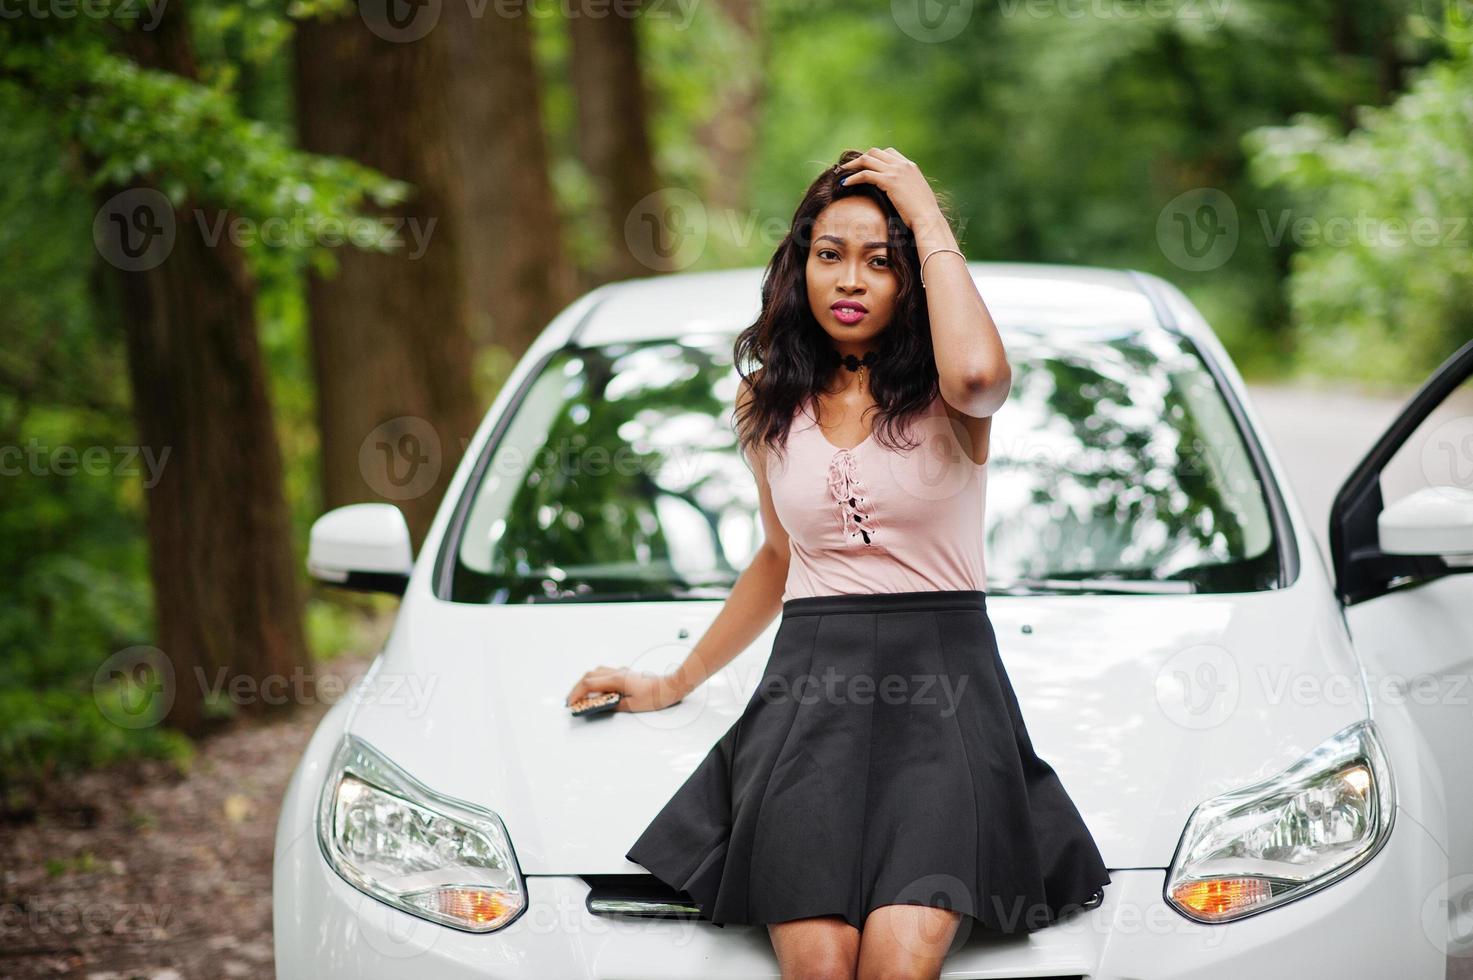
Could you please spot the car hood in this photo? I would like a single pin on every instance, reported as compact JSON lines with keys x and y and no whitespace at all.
{"x":1145,"y":706}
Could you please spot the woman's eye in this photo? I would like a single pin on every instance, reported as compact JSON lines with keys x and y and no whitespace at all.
{"x":825,"y":253}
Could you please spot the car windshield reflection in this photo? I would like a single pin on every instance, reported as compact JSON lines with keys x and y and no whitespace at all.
{"x":1115,"y":466}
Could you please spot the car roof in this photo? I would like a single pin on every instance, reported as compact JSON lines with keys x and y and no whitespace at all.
{"x":1018,"y":294}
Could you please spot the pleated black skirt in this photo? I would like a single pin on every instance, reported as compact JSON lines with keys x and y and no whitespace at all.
{"x":883,"y":759}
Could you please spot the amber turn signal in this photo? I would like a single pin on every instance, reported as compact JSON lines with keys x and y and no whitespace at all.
{"x":1214,"y":898}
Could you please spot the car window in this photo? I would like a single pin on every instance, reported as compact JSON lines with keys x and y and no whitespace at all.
{"x":618,"y":477}
{"x":1117,"y":457}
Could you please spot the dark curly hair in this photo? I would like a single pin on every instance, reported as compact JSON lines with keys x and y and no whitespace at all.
{"x":787,"y":358}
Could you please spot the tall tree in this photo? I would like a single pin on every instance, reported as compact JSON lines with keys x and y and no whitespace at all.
{"x":225,"y":580}
{"x":517,"y":272}
{"x":225,"y":587}
{"x":729,"y":133}
{"x":225,"y":583}
{"x":613,"y":140}
{"x":391,"y":343}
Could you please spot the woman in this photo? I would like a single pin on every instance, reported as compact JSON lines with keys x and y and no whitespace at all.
{"x":880,"y":783}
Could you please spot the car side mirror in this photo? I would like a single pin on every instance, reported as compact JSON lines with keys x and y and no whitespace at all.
{"x":1432,"y":521}
{"x":364,"y":547}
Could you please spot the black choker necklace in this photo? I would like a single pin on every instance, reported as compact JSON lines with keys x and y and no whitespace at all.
{"x":855,"y":363}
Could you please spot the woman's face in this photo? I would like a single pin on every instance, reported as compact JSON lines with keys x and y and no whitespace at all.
{"x":849,"y":265}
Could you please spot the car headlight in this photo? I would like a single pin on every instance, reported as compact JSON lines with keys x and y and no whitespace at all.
{"x":1293,"y":833}
{"x":396,"y":840}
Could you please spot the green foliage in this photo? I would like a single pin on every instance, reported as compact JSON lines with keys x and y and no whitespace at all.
{"x":1061,"y":131}
{"x":60,"y":730}
{"x":79,"y":117}
{"x":340,"y":622}
{"x":1382,"y":283}
{"x":1058,"y":131}
{"x":577,"y":198}
{"x":190,"y":141}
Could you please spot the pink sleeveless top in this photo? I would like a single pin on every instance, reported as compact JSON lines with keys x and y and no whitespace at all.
{"x":873,"y":519}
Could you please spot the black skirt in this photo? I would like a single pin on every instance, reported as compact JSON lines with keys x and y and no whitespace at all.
{"x":883,"y":759}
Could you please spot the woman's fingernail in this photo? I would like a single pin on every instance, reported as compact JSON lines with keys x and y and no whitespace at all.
{"x":844,"y":180}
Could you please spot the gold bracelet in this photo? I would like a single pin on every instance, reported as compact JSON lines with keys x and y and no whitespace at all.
{"x":931,"y":253}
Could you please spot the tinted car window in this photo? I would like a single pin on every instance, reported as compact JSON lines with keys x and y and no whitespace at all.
{"x":618,"y":477}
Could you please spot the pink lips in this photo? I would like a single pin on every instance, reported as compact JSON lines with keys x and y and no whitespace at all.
{"x":847,"y":311}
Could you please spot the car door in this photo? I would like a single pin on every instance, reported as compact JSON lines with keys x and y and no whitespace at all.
{"x":1401,"y":541}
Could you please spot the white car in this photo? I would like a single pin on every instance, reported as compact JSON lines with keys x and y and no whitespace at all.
{"x":1275,"y":758}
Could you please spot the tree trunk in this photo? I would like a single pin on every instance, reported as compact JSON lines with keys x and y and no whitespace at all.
{"x":226,"y":595}
{"x":517,"y":273}
{"x":613,"y":142}
{"x":729,"y":136}
{"x":392,"y":354}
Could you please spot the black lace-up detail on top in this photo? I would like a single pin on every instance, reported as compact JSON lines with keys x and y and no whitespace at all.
{"x":851,"y":497}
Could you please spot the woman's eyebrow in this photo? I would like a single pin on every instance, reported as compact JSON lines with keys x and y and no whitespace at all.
{"x":841,"y":241}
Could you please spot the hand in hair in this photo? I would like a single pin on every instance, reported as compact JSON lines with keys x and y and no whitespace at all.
{"x":901,"y":180}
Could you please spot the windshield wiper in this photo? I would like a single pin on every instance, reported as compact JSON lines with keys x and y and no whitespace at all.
{"x":1122,"y":586}
{"x":663,"y":595}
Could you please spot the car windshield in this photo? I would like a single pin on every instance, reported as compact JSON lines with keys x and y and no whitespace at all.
{"x":1114,"y":466}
